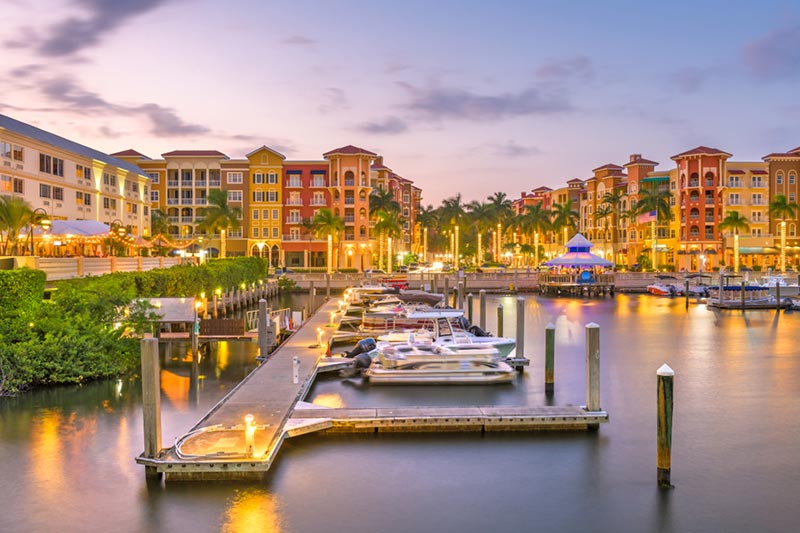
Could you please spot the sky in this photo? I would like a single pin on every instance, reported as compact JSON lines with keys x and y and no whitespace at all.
{"x":469,"y":97}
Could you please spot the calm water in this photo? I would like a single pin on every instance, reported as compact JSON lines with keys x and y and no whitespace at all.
{"x":67,"y":454}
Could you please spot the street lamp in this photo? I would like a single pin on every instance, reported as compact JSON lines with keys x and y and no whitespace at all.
{"x":39,"y":217}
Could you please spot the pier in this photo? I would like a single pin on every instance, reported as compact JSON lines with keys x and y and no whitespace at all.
{"x":241,"y":436}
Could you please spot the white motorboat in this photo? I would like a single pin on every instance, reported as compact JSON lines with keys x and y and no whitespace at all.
{"x":442,"y":332}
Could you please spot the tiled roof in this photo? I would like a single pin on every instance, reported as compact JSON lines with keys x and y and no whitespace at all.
{"x":793,"y":153}
{"x":265,"y":147}
{"x":349,"y":150}
{"x":609,"y":166}
{"x":701,"y":150}
{"x":543,"y":188}
{"x":130,"y":152}
{"x":65,"y":144}
{"x":575,"y":180}
{"x":195,"y":153}
{"x":380,"y":167}
{"x":641,"y":161}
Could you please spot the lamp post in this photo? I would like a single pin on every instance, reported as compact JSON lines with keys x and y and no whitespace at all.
{"x":783,"y":247}
{"x":39,"y":218}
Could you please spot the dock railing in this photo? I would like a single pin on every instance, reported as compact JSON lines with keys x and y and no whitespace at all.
{"x":284,"y":317}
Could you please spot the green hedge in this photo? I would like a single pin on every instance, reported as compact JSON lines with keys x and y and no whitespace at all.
{"x":75,"y":336}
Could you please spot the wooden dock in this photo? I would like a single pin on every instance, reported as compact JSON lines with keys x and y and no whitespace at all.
{"x":224,"y":446}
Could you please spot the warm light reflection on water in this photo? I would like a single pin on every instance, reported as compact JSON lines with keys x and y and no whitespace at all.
{"x":329,"y":400}
{"x":251,"y":510}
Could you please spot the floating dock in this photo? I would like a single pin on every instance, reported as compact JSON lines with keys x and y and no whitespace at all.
{"x":226,"y":444}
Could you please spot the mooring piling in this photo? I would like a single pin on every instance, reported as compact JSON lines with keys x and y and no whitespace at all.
{"x":592,"y":367}
{"x":151,"y":401}
{"x":686,"y":293}
{"x":446,"y":290}
{"x":469,"y":307}
{"x":499,"y":320}
{"x":263,"y":335}
{"x":549,"y":358}
{"x":327,"y":286}
{"x":778,"y":297}
{"x":743,"y":294}
{"x":665,"y":376}
{"x":482,"y":308}
{"x":520,"y":327}
{"x":295,"y":369}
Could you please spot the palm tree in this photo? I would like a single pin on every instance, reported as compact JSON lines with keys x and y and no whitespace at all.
{"x":502,"y":210}
{"x":307,"y":227}
{"x":451,"y":216}
{"x":381,"y":199}
{"x":327,"y":225}
{"x":15,"y":214}
{"x":220,"y":217}
{"x":781,"y":209}
{"x":564,"y":217}
{"x":427,"y":218}
{"x":535,"y":220}
{"x":159,"y":225}
{"x":389,"y":225}
{"x":655,"y":199}
{"x":630,"y":215}
{"x":613,"y":198}
{"x":735,"y":222}
{"x":481,"y":216}
{"x":603,"y":213}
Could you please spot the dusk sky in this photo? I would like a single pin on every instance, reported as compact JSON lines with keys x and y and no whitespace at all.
{"x":459,"y":96}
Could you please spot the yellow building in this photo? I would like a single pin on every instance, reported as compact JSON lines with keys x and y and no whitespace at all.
{"x":264,"y":204}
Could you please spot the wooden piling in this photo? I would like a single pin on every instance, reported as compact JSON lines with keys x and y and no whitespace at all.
{"x":499,"y":320}
{"x":686,"y":293}
{"x":327,"y":286}
{"x":216,"y":311}
{"x":592,"y":367}
{"x":743,"y":295}
{"x":778,"y":297}
{"x":460,"y":295}
{"x":520,"y":327}
{"x":665,"y":376}
{"x":151,"y":401}
{"x":469,"y":307}
{"x":482,"y":308}
{"x":263,"y":338}
{"x":549,"y":358}
{"x":311,"y":307}
{"x":446,"y":290}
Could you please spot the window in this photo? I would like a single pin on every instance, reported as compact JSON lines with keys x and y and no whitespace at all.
{"x":154,"y":177}
{"x":274,"y":214}
{"x":109,"y":179}
{"x":756,"y":232}
{"x":5,"y":149}
{"x":254,"y":232}
{"x":154,"y":196}
{"x":234,"y":196}
{"x":272,"y":196}
{"x":734,"y":199}
{"x":19,"y":186}
{"x":255,"y":214}
{"x":58,"y":193}
{"x":757,"y":199}
{"x":779,"y":178}
{"x":146,"y":211}
{"x":45,"y":161}
{"x":274,"y":233}
{"x":134,"y":208}
{"x":265,"y":232}
{"x":6,"y":182}
{"x":258,"y":178}
{"x":272,"y":178}
{"x":44,"y":191}
{"x":258,"y":196}
{"x":792,"y":230}
{"x":265,"y":214}
{"x":792,"y":178}
{"x":791,"y":197}
{"x":234,"y":178}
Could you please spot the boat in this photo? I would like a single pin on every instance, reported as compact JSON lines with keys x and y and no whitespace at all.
{"x":443,"y":332}
{"x":664,"y":289}
{"x":403,"y":317}
{"x":431,"y":364}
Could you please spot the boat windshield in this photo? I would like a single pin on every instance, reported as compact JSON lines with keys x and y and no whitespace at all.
{"x":444,"y":327}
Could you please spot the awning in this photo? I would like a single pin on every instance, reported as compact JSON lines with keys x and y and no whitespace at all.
{"x":757,"y":250}
{"x":78,"y":228}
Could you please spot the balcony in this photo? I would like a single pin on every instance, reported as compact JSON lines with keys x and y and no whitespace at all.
{"x":214,"y":183}
{"x":187,"y":219}
{"x":349,"y":201}
{"x":200,"y":183}
{"x":735,"y":184}
{"x":172,"y":183}
{"x":710,"y":219}
{"x":305,"y":238}
{"x":758,"y":185}
{"x":187,"y":201}
{"x":173,"y":201}
{"x":349,"y":219}
{"x":173,"y":220}
{"x":349,"y":183}
{"x":294,"y":220}
{"x":200,"y":201}
{"x":316,"y":182}
{"x":294,"y":184}
{"x":294,"y":201}
{"x":317,"y":202}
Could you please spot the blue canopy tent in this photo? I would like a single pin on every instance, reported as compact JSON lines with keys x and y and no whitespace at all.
{"x":578,"y":255}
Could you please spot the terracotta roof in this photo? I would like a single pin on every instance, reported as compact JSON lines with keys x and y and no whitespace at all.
{"x":759,"y":171}
{"x":130,"y":152}
{"x":793,"y":153}
{"x":267,"y":148}
{"x":573,"y":180}
{"x":380,"y":167}
{"x":736,"y":171}
{"x":701,"y":150}
{"x":641,"y":161}
{"x":349,"y":150}
{"x":195,"y":153}
{"x":543,"y":188}
{"x":608,"y":166}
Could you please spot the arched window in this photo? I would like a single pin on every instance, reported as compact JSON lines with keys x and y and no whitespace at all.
{"x":694,"y":180}
{"x":349,"y":178}
{"x":709,"y":181}
{"x":694,"y":231}
{"x":694,"y":196}
{"x":779,"y":178}
{"x":694,"y":213}
{"x":363,"y":179}
{"x":792,"y":230}
{"x":683,"y":181}
{"x":792,"y":177}
{"x":362,"y":213}
{"x":363,"y":194}
{"x":336,"y":179}
{"x":362,"y":231}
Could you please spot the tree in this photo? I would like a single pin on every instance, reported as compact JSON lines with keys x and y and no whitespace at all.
{"x":781,"y":209}
{"x":734,"y":222}
{"x":15,"y":214}
{"x":603,"y":213}
{"x":535,"y":220}
{"x":502,"y":209}
{"x":220,"y":217}
{"x":480,"y":214}
{"x":159,"y":225}
{"x":328,"y":226}
{"x":655,"y":199}
{"x":564,"y":217}
{"x":613,"y":198}
{"x":389,"y":224}
{"x":426,"y":218}
{"x":307,"y":227}
{"x":381,"y":199}
{"x":452,"y":213}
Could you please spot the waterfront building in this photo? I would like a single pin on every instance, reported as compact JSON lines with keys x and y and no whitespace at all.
{"x":70,"y":181}
{"x":783,"y":172}
{"x":266,"y":201}
{"x":306,"y":188}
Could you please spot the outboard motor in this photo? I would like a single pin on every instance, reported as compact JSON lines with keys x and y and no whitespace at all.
{"x":362,"y":361}
{"x":364,"y":346}
{"x":478,"y":332}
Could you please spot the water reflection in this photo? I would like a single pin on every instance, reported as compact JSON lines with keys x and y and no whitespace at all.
{"x":252,"y":509}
